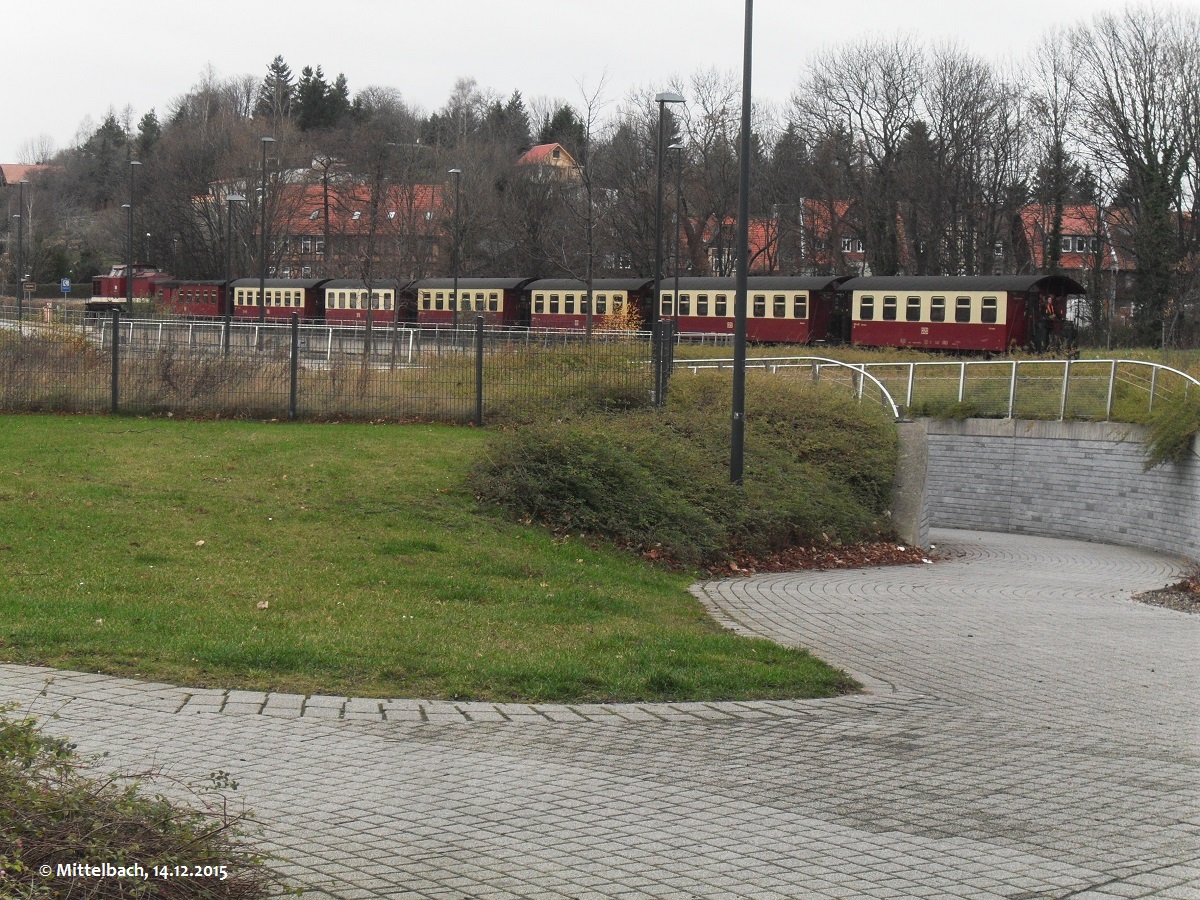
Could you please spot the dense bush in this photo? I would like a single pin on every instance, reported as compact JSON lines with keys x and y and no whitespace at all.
{"x":51,"y":814}
{"x":818,"y":466}
{"x":1170,"y":432}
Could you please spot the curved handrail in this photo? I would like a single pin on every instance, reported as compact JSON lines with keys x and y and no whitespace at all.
{"x":774,"y":363}
{"x":799,"y":361}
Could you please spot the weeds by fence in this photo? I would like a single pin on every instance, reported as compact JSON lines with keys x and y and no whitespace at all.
{"x":319,"y":372}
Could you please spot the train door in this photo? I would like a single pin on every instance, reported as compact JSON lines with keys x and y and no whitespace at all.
{"x":838,"y":329}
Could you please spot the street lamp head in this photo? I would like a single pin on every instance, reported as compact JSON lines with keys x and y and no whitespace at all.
{"x":455,"y":172}
{"x":236,"y":198}
{"x":267,"y":140}
{"x":668,"y":97}
{"x":677,"y":146}
{"x":126,"y":206}
{"x":135,"y":162}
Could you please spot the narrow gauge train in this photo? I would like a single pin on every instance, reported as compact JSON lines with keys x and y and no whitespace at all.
{"x":991,"y":314}
{"x":346,"y":302}
{"x":966,"y":314}
{"x":779,"y":309}
{"x":501,"y":301}
{"x":563,"y":302}
{"x":284,"y":296}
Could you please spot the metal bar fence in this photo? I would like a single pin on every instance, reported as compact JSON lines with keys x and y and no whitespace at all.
{"x":317,"y":372}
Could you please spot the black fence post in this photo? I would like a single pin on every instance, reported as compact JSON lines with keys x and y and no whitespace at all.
{"x":479,"y":371}
{"x":668,"y":357}
{"x":116,"y":360}
{"x":295,"y":367}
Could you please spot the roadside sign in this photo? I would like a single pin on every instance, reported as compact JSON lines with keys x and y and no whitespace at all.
{"x":64,"y":285}
{"x":29,"y":286}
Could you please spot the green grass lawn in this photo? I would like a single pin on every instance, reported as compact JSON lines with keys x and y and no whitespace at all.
{"x":343,"y":559}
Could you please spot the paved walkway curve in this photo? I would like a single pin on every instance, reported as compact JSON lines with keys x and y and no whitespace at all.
{"x":1030,"y":733}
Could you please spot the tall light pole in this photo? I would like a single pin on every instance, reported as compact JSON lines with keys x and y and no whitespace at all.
{"x":737,"y":442}
{"x":456,"y":173}
{"x":229,"y":201}
{"x":133,"y":164}
{"x":20,"y":217}
{"x":262,"y":261}
{"x":662,"y":99}
{"x":678,"y":150}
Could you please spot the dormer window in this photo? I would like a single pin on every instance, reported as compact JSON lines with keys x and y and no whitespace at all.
{"x":555,"y":153}
{"x":314,"y":215}
{"x":391,"y":214}
{"x":357,"y":215}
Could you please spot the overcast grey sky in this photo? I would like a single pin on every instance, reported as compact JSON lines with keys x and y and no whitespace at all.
{"x":68,"y":60}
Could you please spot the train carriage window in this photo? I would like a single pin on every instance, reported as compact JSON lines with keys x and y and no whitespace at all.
{"x":721,"y":306}
{"x":618,"y":303}
{"x":702,"y":304}
{"x":584,"y":303}
{"x":667,"y":304}
{"x":866,"y":308}
{"x":554,"y":303}
{"x":889,"y":309}
{"x":988,"y":313}
{"x":539,"y":304}
{"x":937,"y":309}
{"x":962,"y":309}
{"x":779,"y":306}
{"x":760,"y":306}
{"x":494,"y":302}
{"x":685,"y":304}
{"x":480,"y":302}
{"x":601,"y":304}
{"x":441,"y":300}
{"x":912,"y":309}
{"x":800,"y":306}
{"x":389,"y":300}
{"x":569,"y":304}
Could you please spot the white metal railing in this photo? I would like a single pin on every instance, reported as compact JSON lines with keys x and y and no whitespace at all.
{"x":859,"y":377}
{"x":1033,"y":388}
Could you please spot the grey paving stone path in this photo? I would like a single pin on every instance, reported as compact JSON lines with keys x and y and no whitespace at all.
{"x":1030,"y":733}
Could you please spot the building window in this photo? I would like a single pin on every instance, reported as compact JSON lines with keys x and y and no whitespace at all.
{"x":306,"y":245}
{"x":306,"y":272}
{"x":962,"y":309}
{"x":319,"y":245}
{"x":1067,"y":244}
{"x":357,"y":215}
{"x":998,"y":250}
{"x":314,"y":215}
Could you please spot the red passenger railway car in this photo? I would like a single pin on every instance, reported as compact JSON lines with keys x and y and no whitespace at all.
{"x":779,"y":309}
{"x":284,"y":296}
{"x":992,"y":314}
{"x":563,"y":302}
{"x":346,"y":302}
{"x":501,"y":301}
{"x":191,"y":298}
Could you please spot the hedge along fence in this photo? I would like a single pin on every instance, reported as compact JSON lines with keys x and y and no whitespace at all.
{"x":271,"y":372}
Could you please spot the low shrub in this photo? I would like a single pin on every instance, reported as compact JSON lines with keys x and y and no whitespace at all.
{"x":1170,"y":432}
{"x":53,"y":814}
{"x":818,"y":468}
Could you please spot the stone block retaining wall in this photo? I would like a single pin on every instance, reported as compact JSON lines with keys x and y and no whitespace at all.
{"x":1080,"y":480}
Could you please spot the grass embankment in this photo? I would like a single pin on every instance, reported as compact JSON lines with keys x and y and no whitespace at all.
{"x":344,"y":559}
